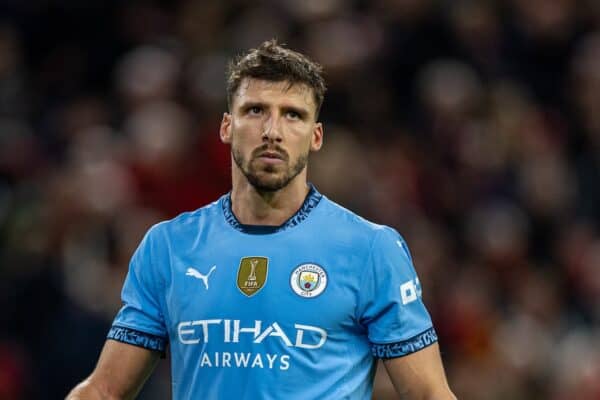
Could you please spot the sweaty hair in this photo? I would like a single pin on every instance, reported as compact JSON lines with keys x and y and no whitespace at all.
{"x":273,"y":62}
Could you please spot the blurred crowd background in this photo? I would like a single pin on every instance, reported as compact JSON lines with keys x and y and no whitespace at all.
{"x":472,"y":127}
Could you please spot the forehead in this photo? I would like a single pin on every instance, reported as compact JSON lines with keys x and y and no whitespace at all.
{"x":259,"y":90}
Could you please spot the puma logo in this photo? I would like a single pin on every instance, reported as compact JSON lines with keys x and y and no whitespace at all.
{"x":196,"y":274}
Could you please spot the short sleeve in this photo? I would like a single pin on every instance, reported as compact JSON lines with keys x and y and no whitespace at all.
{"x":391,"y":306}
{"x":140,"y":321}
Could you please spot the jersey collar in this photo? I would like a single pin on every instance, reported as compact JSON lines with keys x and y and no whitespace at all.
{"x":312,"y":199}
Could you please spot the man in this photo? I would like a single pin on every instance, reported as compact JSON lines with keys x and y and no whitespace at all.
{"x":273,"y":291}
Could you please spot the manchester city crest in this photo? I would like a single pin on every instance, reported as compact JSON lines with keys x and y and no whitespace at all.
{"x":308,"y":280}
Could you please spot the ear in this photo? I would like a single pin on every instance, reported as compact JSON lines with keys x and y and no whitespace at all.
{"x":225,"y":129}
{"x":317,"y":137}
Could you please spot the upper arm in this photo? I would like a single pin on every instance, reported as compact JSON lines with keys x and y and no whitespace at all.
{"x":120,"y":372}
{"x":398,"y":325}
{"x":391,"y":306}
{"x":419,"y":375}
{"x":143,"y":295}
{"x":138,"y":335}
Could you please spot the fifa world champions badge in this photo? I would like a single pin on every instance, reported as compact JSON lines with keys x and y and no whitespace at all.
{"x":252,"y":274}
{"x":308,"y":280}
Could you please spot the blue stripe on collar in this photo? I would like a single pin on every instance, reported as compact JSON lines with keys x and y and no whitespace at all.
{"x":312,"y":199}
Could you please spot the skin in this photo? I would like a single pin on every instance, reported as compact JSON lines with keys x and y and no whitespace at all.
{"x":120,"y":373}
{"x":271,"y":129}
{"x":420,"y":375}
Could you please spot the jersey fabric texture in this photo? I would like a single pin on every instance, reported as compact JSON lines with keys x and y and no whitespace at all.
{"x":299,"y":311}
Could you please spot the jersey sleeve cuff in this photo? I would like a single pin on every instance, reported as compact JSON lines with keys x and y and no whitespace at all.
{"x":405,"y":347}
{"x":137,"y":338}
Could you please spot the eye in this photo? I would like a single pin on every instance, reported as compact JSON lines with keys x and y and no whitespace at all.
{"x":254,"y":110}
{"x":293,"y":115}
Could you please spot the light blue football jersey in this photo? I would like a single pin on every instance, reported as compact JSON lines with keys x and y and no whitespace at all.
{"x":299,"y":311}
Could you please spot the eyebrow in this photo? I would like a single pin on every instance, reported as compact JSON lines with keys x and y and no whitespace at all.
{"x":249,"y":104}
{"x":303,"y":112}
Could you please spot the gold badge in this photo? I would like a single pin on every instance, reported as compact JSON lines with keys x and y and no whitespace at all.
{"x":252,"y":274}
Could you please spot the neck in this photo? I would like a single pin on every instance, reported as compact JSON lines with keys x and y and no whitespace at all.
{"x":253,"y":207}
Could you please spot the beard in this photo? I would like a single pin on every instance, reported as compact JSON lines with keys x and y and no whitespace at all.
{"x":267,"y":178}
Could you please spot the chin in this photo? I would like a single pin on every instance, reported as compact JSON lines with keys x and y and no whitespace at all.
{"x":268,"y":184}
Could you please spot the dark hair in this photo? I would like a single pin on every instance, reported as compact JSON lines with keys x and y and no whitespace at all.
{"x":273,"y":62}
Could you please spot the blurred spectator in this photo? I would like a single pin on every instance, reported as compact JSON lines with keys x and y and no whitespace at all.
{"x":473,"y":127}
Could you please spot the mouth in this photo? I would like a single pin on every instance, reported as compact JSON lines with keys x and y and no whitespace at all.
{"x":271,"y":157}
{"x":271,"y":154}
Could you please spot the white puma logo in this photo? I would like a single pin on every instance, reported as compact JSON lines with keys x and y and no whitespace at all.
{"x":196,"y":274}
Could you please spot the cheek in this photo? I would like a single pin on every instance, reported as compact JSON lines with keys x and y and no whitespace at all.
{"x":246,"y":132}
{"x":305,"y":141}
{"x":239,"y":135}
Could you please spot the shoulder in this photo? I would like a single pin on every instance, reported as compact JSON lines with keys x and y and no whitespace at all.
{"x":342,"y":221}
{"x":186,"y":221}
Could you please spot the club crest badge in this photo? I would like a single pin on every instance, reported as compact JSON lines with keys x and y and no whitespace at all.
{"x":252,"y":274}
{"x":308,"y":280}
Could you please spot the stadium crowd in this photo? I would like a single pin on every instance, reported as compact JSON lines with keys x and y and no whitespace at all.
{"x":472,"y":127}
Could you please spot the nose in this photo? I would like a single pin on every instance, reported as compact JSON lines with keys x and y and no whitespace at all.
{"x":272,"y":130}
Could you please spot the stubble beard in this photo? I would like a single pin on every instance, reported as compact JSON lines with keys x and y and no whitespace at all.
{"x":266,"y":180}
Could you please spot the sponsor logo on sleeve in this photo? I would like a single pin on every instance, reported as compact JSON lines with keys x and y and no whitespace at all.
{"x":410,"y":291}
